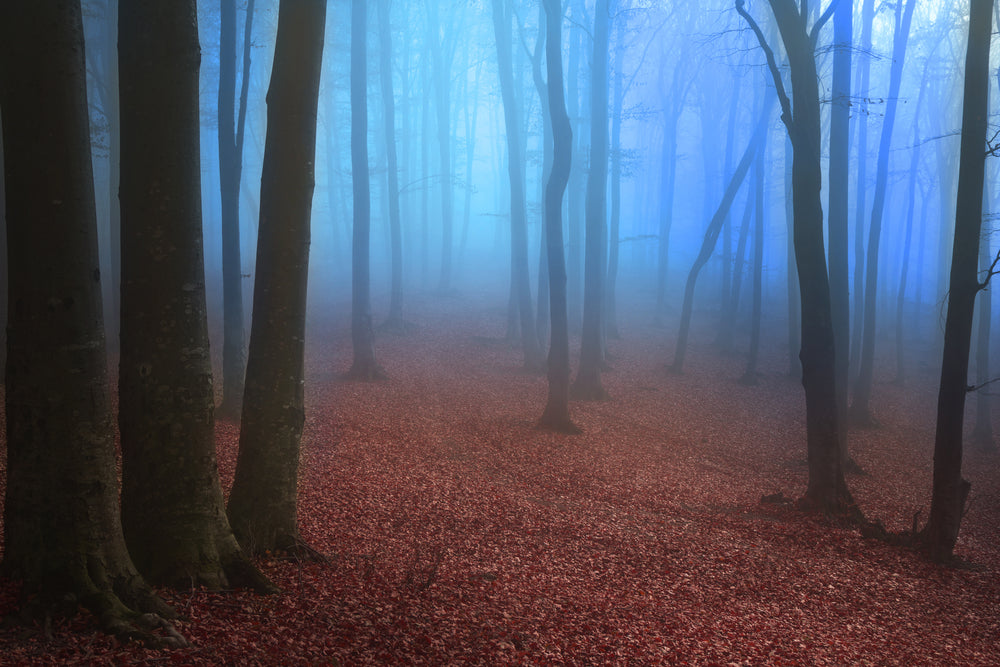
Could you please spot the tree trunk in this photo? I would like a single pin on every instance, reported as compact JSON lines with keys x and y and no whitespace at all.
{"x":556,"y":415}
{"x":860,"y":406}
{"x":750,"y":375}
{"x":827,"y":490}
{"x":521,"y":288}
{"x":574,"y":221}
{"x":950,"y":490}
{"x":173,"y":512}
{"x":230,"y":170}
{"x":263,"y":502}
{"x":837,"y":224}
{"x":394,"y":321}
{"x":442,"y":105}
{"x":712,"y":233}
{"x":364,"y":367}
{"x":982,"y":433}
{"x":611,"y":303}
{"x":588,"y":376}
{"x":860,"y":210}
{"x":62,"y":532}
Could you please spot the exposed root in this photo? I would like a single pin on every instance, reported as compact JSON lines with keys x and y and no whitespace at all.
{"x":557,"y":423}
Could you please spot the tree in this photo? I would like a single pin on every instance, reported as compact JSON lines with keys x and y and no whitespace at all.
{"x":860,"y":408}
{"x":588,"y":376}
{"x":750,"y":374}
{"x":950,"y":490}
{"x":62,"y":530}
{"x":713,"y":230}
{"x":442,"y":104}
{"x":395,"y":319}
{"x":827,"y":489}
{"x":173,"y":512}
{"x":364,"y":366}
{"x":556,"y":414}
{"x":518,"y":206}
{"x":231,"y":133}
{"x":837,"y":223}
{"x":263,"y":506}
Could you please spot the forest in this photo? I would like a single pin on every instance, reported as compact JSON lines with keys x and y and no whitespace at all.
{"x":563,"y":332}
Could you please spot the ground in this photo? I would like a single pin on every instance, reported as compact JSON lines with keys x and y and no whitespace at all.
{"x":459,"y":534}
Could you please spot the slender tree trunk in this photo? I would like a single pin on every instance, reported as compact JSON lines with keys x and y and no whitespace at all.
{"x":230,"y":168}
{"x":837,"y":224}
{"x":364,"y":367}
{"x":860,"y":406}
{"x":611,"y":303}
{"x":395,"y":320}
{"x":860,"y":210}
{"x":950,"y":490}
{"x":794,"y":313}
{"x":588,"y":376}
{"x":750,"y":375}
{"x":712,"y":233}
{"x":574,"y":220}
{"x":556,"y":415}
{"x":521,"y":288}
{"x":62,"y":531}
{"x":263,"y":504}
{"x":442,"y":106}
{"x":982,"y":433}
{"x":542,"y":321}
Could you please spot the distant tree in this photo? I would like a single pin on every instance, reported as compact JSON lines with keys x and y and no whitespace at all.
{"x":618,"y":99}
{"x":827,"y":489}
{"x":231,"y":133}
{"x":587,"y":385}
{"x":713,"y":230}
{"x":442,"y":105}
{"x":364,"y":366}
{"x":518,"y":206}
{"x":173,"y":512}
{"x":750,"y":374}
{"x":950,"y":491}
{"x":556,"y":415}
{"x":263,"y":506}
{"x":394,"y":321}
{"x":982,"y":433}
{"x":860,"y":410}
{"x":62,"y":530}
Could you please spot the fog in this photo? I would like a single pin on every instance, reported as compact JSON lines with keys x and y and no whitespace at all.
{"x":687,"y":81}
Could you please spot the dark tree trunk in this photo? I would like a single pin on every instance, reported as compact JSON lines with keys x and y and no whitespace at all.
{"x":556,"y":415}
{"x":62,"y":532}
{"x":860,"y":405}
{"x":394,"y":321}
{"x":364,"y":367}
{"x":588,"y":376}
{"x":521,"y":286}
{"x":230,"y":174}
{"x":827,"y":489}
{"x":950,"y":490}
{"x":794,"y":314}
{"x":713,"y":231}
{"x":574,"y":221}
{"x":542,"y":322}
{"x":263,"y":502}
{"x":173,"y":512}
{"x":837,"y":224}
{"x":982,"y":433}
{"x":860,"y":210}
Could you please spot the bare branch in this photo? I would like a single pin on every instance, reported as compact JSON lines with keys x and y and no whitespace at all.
{"x":992,"y":271}
{"x":814,"y":35}
{"x":786,"y":105}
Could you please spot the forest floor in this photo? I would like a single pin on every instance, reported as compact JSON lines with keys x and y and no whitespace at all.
{"x":459,"y":534}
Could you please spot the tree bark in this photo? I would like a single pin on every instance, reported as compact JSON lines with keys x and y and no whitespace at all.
{"x":173,"y":512}
{"x":263,"y":501}
{"x":556,"y":415}
{"x":62,"y":531}
{"x":950,"y":490}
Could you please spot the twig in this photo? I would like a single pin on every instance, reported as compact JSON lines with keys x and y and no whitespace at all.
{"x":786,"y":104}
